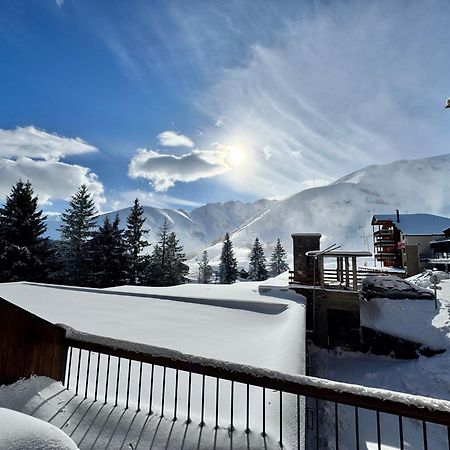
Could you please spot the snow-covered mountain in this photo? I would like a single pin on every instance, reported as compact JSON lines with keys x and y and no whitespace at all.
{"x":342,"y":211}
{"x":196,"y":229}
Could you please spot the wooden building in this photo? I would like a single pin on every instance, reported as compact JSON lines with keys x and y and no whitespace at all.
{"x":403,"y":240}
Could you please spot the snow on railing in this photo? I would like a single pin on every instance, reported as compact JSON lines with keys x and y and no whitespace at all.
{"x":240,"y":396}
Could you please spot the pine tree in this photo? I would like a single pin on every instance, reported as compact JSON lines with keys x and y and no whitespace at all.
{"x":24,"y":253}
{"x":228,"y":272}
{"x":135,"y":242}
{"x":257,"y":268}
{"x":204,"y":269}
{"x":108,"y":255}
{"x":79,"y":221}
{"x":176,"y":270}
{"x":278,"y":260}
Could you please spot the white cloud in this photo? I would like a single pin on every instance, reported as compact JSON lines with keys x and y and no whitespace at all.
{"x":164,"y":170}
{"x":50,"y":179}
{"x":35,"y":143}
{"x":173,"y":139}
{"x":29,"y":153}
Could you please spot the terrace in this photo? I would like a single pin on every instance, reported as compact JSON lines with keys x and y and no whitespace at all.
{"x":110,"y":392}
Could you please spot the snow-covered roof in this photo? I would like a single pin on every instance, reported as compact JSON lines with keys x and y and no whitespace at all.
{"x":416,"y":223}
{"x":239,"y":325}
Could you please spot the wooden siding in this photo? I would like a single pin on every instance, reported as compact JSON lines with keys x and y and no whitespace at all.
{"x":29,"y":345}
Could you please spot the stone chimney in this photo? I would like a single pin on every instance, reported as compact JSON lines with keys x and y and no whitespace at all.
{"x":304,"y":265}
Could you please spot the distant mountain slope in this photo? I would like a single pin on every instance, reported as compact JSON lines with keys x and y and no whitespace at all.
{"x":342,"y":210}
{"x":195,"y":229}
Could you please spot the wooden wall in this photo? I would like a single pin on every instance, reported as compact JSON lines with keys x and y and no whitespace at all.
{"x":29,"y":345}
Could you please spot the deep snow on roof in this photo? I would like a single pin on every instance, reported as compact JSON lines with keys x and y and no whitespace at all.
{"x":417,"y":223}
{"x":239,"y":329}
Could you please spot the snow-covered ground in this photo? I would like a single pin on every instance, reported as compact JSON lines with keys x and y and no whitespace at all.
{"x":19,"y":431}
{"x":416,"y":320}
{"x":256,"y":324}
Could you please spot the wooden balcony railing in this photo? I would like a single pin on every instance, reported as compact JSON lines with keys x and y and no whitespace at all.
{"x":178,"y":386}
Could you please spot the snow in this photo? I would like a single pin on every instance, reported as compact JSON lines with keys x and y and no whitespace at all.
{"x":19,"y":431}
{"x":251,"y":326}
{"x":417,"y":223}
{"x":204,"y":320}
{"x":416,"y":320}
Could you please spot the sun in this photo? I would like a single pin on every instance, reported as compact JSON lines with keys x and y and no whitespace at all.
{"x":236,"y":156}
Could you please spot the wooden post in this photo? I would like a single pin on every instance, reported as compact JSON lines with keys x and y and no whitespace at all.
{"x":347,"y":272}
{"x":355,"y":273}
{"x":321,"y":272}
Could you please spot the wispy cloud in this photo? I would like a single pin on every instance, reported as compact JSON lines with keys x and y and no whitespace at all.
{"x":164,"y":170}
{"x":173,"y":139}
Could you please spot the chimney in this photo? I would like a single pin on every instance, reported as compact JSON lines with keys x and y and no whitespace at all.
{"x":398,"y":215}
{"x":304,"y":266}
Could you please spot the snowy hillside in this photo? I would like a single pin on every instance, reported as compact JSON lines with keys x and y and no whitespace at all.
{"x":196,"y":229}
{"x":342,"y":211}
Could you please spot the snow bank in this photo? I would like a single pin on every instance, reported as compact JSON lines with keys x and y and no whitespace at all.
{"x":427,"y":278}
{"x":22,"y":432}
{"x":408,"y":319}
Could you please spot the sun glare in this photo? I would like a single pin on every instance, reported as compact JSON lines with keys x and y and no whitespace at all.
{"x":236,"y":156}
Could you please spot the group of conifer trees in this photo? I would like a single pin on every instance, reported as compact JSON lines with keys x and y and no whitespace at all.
{"x":87,"y":253}
{"x":258,"y":271}
{"x":103,"y":255}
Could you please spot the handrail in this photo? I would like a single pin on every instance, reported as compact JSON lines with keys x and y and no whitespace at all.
{"x":391,"y":402}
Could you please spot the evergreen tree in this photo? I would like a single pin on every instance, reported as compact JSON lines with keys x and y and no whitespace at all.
{"x":79,"y":221}
{"x":204,"y":269}
{"x":278,"y":260}
{"x":166,"y":264}
{"x":135,"y":242}
{"x":24,"y":253}
{"x":228,"y":272}
{"x":109,"y":257}
{"x":176,"y":270}
{"x":257,"y":268}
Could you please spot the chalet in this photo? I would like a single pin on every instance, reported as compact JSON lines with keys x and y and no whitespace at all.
{"x":404,"y":240}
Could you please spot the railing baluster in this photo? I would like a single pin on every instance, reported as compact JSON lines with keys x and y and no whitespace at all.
{"x":216,"y":426}
{"x":247,"y":418}
{"x":117,"y":380}
{"x":188,"y":420}
{"x":87,"y":375}
{"x":400,"y":429}
{"x":139,"y":387}
{"x":128,"y":383}
{"x":107,"y":378}
{"x":202,"y":421}
{"x":317,"y":423}
{"x":357,"y":427}
{"x":378,"y":430}
{"x":175,"y":406}
{"x":298,"y":423}
{"x":78,"y":371}
{"x":232,"y":407}
{"x":336,"y":424}
{"x":69,"y":368}
{"x":96,"y":377}
{"x":425,"y":440}
{"x":163,"y":393}
{"x":281,"y":418}
{"x":150,"y":402}
{"x":263,"y":411}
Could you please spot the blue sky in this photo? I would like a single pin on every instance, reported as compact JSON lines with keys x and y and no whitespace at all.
{"x":182,"y":103}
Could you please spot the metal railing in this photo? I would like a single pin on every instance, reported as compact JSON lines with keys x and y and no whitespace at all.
{"x":281,"y":407}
